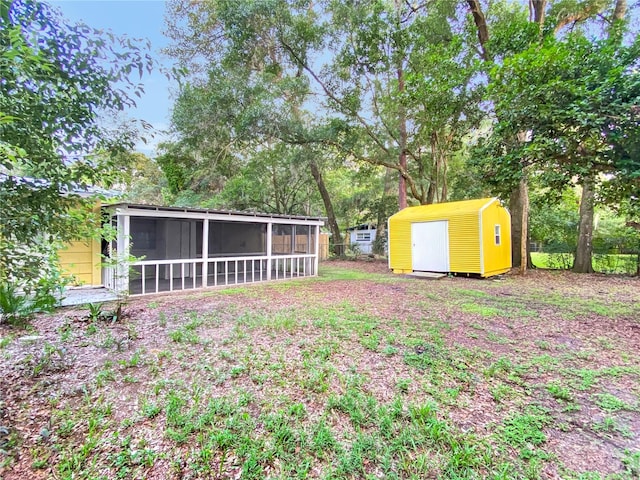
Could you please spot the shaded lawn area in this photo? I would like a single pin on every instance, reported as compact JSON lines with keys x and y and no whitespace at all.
{"x":355,"y":374}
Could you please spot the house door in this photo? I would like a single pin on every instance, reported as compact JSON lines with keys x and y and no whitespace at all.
{"x":430,"y":246}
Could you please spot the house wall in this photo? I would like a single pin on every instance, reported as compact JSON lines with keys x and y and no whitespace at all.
{"x":366,"y":246}
{"x":82,"y":259}
{"x":497,"y":258}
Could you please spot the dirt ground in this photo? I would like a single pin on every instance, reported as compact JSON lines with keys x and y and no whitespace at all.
{"x":543,"y":370}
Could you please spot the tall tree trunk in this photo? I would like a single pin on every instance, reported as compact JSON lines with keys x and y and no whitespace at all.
{"x":583,"y":262}
{"x":381,"y":218}
{"x":433,"y":176}
{"x":481,"y":24}
{"x":338,"y":245}
{"x":584,"y":251}
{"x":539,"y":7}
{"x":402,"y":121}
{"x":620,"y":10}
{"x":524,"y":222}
{"x":519,"y":208}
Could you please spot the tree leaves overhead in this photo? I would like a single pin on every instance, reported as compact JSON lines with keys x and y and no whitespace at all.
{"x":56,"y":81}
{"x":327,"y":74}
{"x":577,"y":100}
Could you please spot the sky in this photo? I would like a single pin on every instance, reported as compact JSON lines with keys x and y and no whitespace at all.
{"x":136,"y":19}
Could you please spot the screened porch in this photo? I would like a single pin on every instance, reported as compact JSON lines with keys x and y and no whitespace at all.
{"x":172,"y":249}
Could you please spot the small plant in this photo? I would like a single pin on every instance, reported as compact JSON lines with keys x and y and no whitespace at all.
{"x":403,"y":385}
{"x":631,"y":461}
{"x":134,"y":361}
{"x":501,"y":392}
{"x":610,"y":425}
{"x":525,"y":430}
{"x":105,"y":375}
{"x":389,"y":350}
{"x":559,"y":392}
{"x":17,"y":308}
{"x":95,"y":311}
{"x":611,"y":403}
{"x":50,"y":359}
{"x":65,"y":331}
{"x":150,"y":409}
{"x":5,"y":341}
{"x":543,"y":344}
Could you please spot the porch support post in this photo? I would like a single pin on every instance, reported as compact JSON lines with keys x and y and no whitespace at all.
{"x":205,"y":251}
{"x":269,"y":248}
{"x":317,"y":251}
{"x":122,"y":254}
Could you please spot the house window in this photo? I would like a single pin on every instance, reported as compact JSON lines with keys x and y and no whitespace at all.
{"x":363,"y":237}
{"x":496,"y":234}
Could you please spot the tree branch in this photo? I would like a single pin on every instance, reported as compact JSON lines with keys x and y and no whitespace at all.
{"x":330,"y":94}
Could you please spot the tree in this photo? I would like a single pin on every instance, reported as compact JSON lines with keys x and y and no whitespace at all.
{"x":56,"y":79}
{"x":274,"y":180}
{"x":576,"y":98}
{"x":520,"y":145}
{"x":356,"y":76}
{"x":245,"y":106}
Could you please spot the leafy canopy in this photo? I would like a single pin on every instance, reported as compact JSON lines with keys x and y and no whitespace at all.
{"x":58,"y":82}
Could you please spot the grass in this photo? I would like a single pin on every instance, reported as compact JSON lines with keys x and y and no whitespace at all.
{"x":347,"y":376}
{"x":605,"y":263}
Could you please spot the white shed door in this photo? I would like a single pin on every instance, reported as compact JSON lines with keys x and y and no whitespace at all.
{"x":430,"y":246}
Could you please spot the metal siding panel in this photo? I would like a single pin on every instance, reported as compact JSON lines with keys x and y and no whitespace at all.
{"x":497,"y":257}
{"x":399,"y":244}
{"x":464,"y":243}
{"x":439,"y":211}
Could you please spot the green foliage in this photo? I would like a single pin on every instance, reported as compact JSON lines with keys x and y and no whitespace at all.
{"x":257,"y":111}
{"x":525,"y":431}
{"x":611,"y":403}
{"x":50,"y":359}
{"x":554,"y":223}
{"x":16,"y":307}
{"x":97,"y":312}
{"x":56,"y":79}
{"x":13,"y":306}
{"x":575,"y":98}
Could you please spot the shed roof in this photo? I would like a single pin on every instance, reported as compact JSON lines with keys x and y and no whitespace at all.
{"x":443,"y":210}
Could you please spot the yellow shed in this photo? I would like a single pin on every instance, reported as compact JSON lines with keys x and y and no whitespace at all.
{"x":471,"y":236}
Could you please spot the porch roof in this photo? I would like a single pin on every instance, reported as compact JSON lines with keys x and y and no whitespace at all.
{"x":191,"y":212}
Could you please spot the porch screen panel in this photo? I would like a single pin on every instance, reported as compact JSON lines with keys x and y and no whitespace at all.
{"x":237,"y":239}
{"x":282,"y":239}
{"x":302,"y":239}
{"x":147,"y":238}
